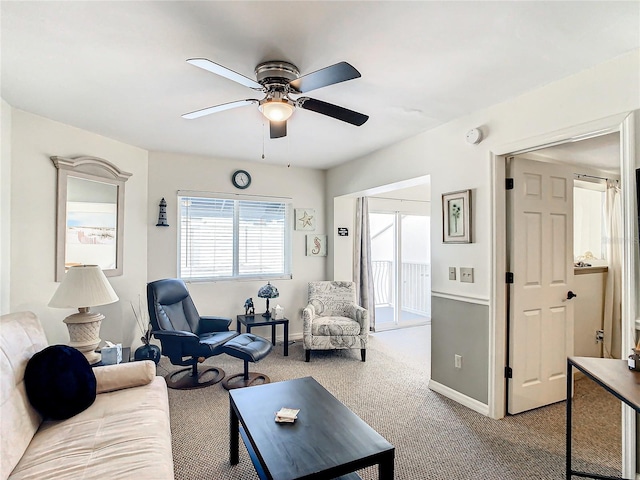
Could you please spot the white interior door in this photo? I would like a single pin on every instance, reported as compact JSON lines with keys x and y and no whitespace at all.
{"x":541,"y":259}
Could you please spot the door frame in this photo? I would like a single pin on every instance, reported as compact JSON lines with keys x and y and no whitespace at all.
{"x":626,"y":124}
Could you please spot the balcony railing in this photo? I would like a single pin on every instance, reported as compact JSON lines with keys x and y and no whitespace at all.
{"x":415,"y":286}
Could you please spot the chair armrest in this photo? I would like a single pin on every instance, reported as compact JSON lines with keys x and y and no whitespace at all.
{"x":214,"y":324}
{"x":124,"y":375}
{"x":308,"y":314}
{"x":175,"y":342}
{"x":360,"y":315}
{"x":177,"y":335}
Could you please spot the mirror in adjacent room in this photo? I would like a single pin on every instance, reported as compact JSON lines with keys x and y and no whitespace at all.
{"x":90,"y":214}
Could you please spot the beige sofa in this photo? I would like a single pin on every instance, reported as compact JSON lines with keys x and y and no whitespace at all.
{"x":125,"y":434}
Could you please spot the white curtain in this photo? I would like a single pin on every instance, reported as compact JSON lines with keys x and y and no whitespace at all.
{"x":362,"y":269}
{"x":612,"y":297}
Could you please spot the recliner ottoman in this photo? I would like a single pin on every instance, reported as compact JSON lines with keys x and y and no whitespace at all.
{"x":249,"y":348}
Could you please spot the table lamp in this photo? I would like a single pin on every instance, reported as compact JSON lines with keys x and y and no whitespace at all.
{"x":268,"y":291}
{"x":83,"y":287}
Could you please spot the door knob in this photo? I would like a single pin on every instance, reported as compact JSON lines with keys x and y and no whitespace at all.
{"x":570,"y":295}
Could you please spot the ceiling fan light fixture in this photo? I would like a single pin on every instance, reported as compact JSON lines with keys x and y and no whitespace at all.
{"x":276,"y":110}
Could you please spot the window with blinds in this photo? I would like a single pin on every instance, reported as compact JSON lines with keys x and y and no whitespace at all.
{"x":224,"y":238}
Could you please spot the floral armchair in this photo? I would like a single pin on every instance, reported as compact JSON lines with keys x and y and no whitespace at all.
{"x":332,"y":319}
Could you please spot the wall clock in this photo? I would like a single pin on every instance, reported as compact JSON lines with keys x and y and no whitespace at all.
{"x":241,"y":179}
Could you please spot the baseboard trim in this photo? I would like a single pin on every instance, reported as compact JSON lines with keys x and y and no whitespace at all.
{"x":461,"y":398}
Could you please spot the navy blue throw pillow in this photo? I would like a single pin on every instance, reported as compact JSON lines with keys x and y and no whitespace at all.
{"x":60,"y":383}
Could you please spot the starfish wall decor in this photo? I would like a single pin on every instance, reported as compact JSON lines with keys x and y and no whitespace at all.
{"x":305,"y":219}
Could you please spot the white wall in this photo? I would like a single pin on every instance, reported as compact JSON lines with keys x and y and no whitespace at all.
{"x":169,"y":173}
{"x":602,"y":91}
{"x":589,"y":312}
{"x":33,"y":221}
{"x":607,"y":89}
{"x":5,"y":206}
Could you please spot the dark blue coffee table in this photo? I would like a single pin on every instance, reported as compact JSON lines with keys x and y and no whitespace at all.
{"x":326,"y":441}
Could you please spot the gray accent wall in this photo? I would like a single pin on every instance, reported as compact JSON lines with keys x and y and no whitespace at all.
{"x":462,"y":328}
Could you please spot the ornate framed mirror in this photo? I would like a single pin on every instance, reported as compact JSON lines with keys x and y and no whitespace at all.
{"x":90,"y":214}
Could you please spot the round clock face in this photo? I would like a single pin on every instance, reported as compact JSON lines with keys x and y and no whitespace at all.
{"x":241,"y":179}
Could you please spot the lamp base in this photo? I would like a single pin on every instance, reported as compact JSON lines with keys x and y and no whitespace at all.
{"x":84,"y":328}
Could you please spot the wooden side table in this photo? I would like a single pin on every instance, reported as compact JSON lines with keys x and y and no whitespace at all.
{"x":250,"y":321}
{"x":615,"y":377}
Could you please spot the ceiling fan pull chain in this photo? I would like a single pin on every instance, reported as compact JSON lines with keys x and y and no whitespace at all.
{"x":263,"y":134}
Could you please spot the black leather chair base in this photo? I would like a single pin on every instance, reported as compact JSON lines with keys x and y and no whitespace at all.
{"x":184,"y":380}
{"x":249,"y":348}
{"x":238,"y":380}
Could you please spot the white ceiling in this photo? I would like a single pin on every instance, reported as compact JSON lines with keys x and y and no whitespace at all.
{"x":601,"y":152}
{"x":118,"y":68}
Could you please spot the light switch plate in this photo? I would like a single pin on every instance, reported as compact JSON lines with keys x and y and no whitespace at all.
{"x":466,"y":274}
{"x":452,"y":273}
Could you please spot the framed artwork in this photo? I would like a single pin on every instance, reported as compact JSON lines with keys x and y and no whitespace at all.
{"x":305,"y":219}
{"x":456,"y":217}
{"x":316,"y":245}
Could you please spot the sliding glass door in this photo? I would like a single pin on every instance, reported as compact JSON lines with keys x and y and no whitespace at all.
{"x":400,"y":254}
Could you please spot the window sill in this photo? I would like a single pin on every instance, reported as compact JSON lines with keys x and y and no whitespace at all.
{"x":587,"y":270}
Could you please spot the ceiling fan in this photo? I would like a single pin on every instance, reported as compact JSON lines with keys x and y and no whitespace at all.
{"x":278,"y":80}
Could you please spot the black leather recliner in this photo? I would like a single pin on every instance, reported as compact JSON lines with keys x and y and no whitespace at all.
{"x":185,"y":336}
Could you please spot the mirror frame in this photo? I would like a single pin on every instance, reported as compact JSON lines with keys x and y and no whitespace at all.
{"x":95,"y":169}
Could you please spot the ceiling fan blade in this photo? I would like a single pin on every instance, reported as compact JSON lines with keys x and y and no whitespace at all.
{"x":340,"y":72}
{"x":277,"y":129}
{"x":218,"y":108}
{"x":339,"y":113}
{"x":224,"y":72}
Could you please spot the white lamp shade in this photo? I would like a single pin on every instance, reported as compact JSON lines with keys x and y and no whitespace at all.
{"x":276,"y":110}
{"x":83,"y":286}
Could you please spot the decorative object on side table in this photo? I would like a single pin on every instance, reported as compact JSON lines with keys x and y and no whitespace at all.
{"x":456,"y":217}
{"x":268,"y":291}
{"x":111,"y":353}
{"x":248,"y":307}
{"x":83,"y":287}
{"x":147,"y":351}
{"x":277,"y":312}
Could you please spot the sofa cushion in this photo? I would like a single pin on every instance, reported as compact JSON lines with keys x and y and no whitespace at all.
{"x":60,"y":383}
{"x":124,"y":375}
{"x":124,"y":435}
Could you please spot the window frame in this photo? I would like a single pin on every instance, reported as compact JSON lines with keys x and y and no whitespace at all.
{"x":601,"y":188}
{"x":287,"y":274}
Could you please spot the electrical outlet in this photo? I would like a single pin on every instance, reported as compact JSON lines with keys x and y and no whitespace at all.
{"x":466,"y":275}
{"x":452,"y":273}
{"x":458,"y":361}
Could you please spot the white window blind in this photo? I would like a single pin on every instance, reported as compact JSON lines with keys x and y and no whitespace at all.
{"x":224,"y":238}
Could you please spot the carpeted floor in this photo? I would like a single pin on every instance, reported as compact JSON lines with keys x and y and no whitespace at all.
{"x":434,"y":437}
